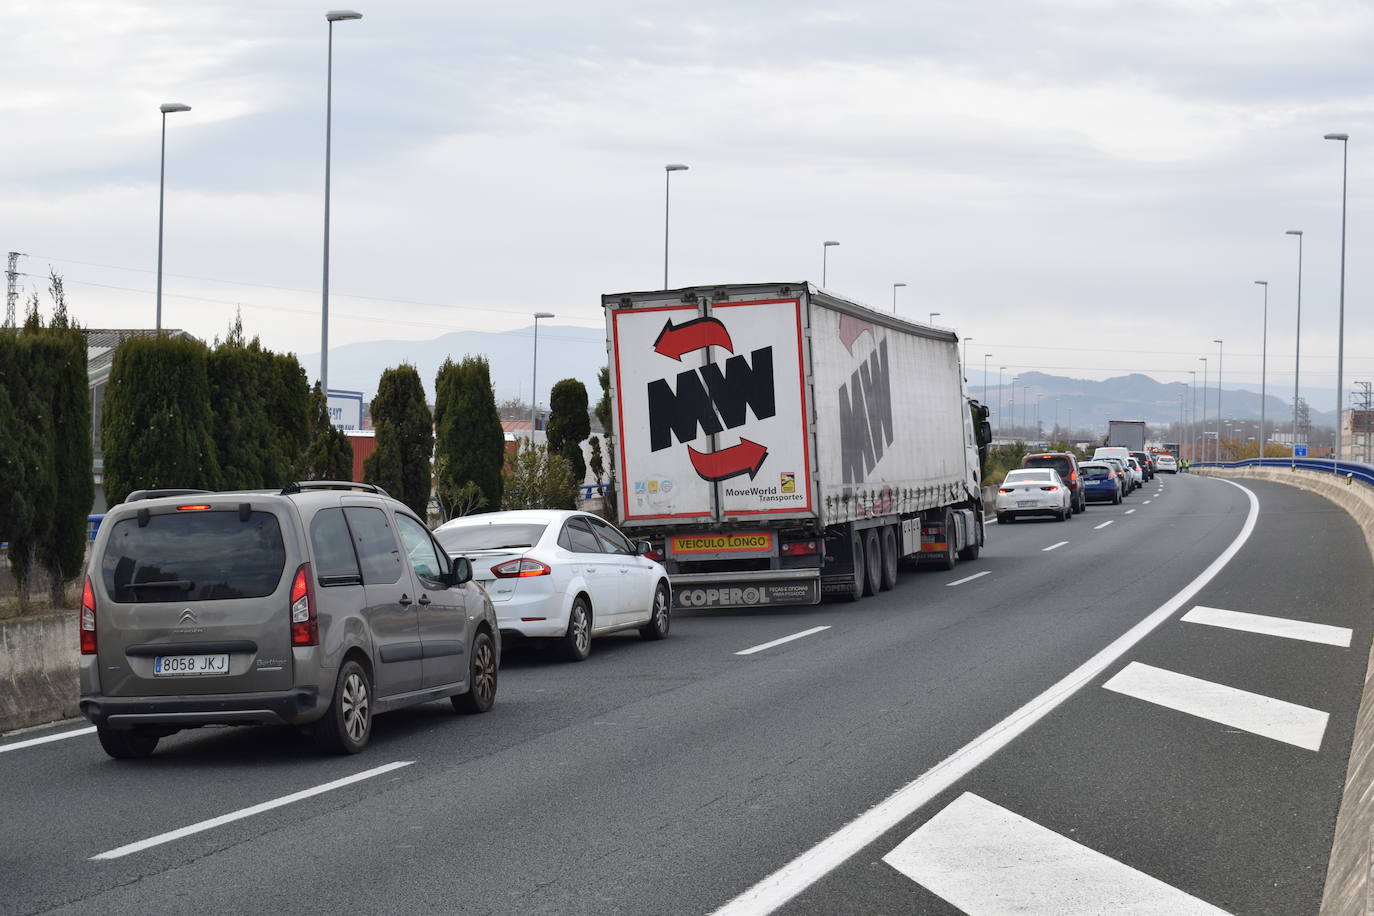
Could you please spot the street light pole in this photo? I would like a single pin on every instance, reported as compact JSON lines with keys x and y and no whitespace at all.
{"x":1001,"y":420}
{"x":1011,"y":403}
{"x":1204,"y":407}
{"x":825,"y":250}
{"x":1217,"y":451}
{"x":894,"y":295}
{"x":1192,"y":417}
{"x":1025,"y":406}
{"x":985,"y":375}
{"x":668,"y":171}
{"x":331,"y":17}
{"x":1297,"y":350}
{"x":933,"y":316}
{"x":1340,"y":333}
{"x":534,"y":376}
{"x":1264,"y":365}
{"x":166,"y":108}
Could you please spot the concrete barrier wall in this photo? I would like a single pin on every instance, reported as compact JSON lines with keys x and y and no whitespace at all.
{"x":38,"y":662}
{"x":1349,"y":889}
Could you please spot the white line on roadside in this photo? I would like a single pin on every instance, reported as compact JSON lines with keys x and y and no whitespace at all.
{"x":1129,"y":511}
{"x":982,"y":858}
{"x":818,"y":861}
{"x":1145,"y":503}
{"x":1270,"y":626}
{"x":248,"y":812}
{"x":45,"y":739}
{"x":1053,"y":547}
{"x":967,"y":578}
{"x":1268,"y":717}
{"x":777,"y":642}
{"x":1103,"y":525}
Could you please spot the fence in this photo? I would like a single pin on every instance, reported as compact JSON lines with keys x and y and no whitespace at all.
{"x":1356,"y":470}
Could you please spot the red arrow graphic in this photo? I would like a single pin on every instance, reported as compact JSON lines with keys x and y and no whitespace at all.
{"x":745,"y":458}
{"x":675,"y":340}
{"x":850,"y":329}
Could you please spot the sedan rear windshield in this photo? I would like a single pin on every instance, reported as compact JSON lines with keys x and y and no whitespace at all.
{"x":491,"y":536}
{"x":1013,"y":476}
{"x":194,"y":556}
{"x":1050,"y":461}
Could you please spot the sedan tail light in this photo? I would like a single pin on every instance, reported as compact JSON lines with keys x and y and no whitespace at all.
{"x":520,"y":569}
{"x":1049,"y":489}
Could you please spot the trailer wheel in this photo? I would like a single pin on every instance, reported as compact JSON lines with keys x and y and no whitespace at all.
{"x":856,"y":589}
{"x":890,"y":557}
{"x":873,"y":562}
{"x":971,"y":551}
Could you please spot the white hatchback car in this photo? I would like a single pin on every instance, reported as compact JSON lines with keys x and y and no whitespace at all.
{"x":561,"y":575}
{"x":1032,"y":491}
{"x":1167,"y":464}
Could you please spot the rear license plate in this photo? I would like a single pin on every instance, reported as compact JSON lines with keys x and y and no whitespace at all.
{"x":1025,"y":503}
{"x":190,"y":665}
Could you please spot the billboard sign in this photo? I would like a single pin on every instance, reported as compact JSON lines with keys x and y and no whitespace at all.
{"x":345,"y":409}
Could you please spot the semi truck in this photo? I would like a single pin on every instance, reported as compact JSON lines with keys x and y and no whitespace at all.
{"x":776,"y":442}
{"x":1127,"y":434}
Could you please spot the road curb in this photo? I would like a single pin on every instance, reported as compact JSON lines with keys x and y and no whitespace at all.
{"x":1348,"y":888}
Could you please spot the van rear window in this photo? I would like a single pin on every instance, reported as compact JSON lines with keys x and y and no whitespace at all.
{"x":194,"y":556}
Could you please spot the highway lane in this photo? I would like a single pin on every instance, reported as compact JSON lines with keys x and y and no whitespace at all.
{"x":654,"y":778}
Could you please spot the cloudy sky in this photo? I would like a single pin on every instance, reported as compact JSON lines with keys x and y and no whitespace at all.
{"x":1084,"y":187}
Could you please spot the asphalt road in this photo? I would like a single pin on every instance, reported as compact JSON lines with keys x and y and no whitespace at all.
{"x":671,"y":777}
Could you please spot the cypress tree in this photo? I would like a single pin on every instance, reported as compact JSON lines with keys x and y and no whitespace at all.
{"x":237,"y":405}
{"x":603,"y":416}
{"x":569,"y":425}
{"x":288,"y":404}
{"x":157,"y":419}
{"x":329,"y":455}
{"x":469,"y":441}
{"x":405,"y":439}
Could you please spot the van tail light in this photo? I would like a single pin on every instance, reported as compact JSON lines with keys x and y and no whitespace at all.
{"x":305,"y":626}
{"x":800,"y":548}
{"x":523,"y":568}
{"x":1073,"y":477}
{"x":87,"y":619}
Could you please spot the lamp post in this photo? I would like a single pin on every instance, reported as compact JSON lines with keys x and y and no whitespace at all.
{"x":1217,"y":451}
{"x":1001,"y":420}
{"x":1056,"y":418}
{"x":668,"y":171}
{"x":1203,"y":359}
{"x":1340,"y":333}
{"x":1025,"y":406}
{"x":1192,"y":417}
{"x":985,"y":375}
{"x":1297,"y":350}
{"x":964,"y":373}
{"x":1011,"y":403}
{"x":1039,"y":430}
{"x":825,"y":250}
{"x":1264,"y":364}
{"x":534,"y":375}
{"x":894,"y":295}
{"x":331,"y":17}
{"x":933,"y":316}
{"x":166,"y":108}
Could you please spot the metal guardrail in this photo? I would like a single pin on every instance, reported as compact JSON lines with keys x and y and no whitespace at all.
{"x":1357,"y":470}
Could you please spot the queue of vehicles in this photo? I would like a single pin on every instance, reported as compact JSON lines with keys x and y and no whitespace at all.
{"x":1057,"y":484}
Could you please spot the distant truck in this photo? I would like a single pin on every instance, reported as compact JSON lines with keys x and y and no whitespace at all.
{"x":776,"y":442}
{"x":1127,"y":434}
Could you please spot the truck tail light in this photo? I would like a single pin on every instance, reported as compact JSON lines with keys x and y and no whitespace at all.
{"x":523,"y":568}
{"x":87,"y":619}
{"x":800,"y":548}
{"x":305,"y":626}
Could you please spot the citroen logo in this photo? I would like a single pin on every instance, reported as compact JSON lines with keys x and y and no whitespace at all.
{"x":187,"y":618}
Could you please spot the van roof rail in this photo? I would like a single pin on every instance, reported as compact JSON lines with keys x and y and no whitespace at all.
{"x":137,"y":495}
{"x":301,"y":486}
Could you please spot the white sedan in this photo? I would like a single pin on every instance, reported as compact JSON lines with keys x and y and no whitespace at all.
{"x":1167,"y":464}
{"x":560,"y":575}
{"x":1033,"y":491}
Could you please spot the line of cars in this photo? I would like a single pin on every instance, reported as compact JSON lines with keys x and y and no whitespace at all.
{"x":1057,"y":484}
{"x":328,"y":602}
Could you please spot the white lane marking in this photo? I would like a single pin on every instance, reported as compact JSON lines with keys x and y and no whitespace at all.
{"x":968,"y":578}
{"x":248,"y":812}
{"x":1053,"y":547}
{"x":818,"y":861}
{"x":1101,"y":526}
{"x":1252,"y":712}
{"x":984,"y":859}
{"x":1145,"y":503}
{"x":1270,"y":626}
{"x":45,"y":739}
{"x":777,"y":642}
{"x":1129,"y":511}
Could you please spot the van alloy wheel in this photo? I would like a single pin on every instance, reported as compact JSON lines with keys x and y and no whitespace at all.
{"x":356,"y":706}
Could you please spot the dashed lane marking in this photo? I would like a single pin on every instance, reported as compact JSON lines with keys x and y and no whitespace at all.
{"x":242,"y":813}
{"x":1270,"y":626}
{"x":985,"y":860}
{"x":777,"y":642}
{"x":18,"y":745}
{"x":1103,"y":525}
{"x":1268,"y":717}
{"x":1053,"y":547}
{"x":1129,"y":511}
{"x":967,"y":578}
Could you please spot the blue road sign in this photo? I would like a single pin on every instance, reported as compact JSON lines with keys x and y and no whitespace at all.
{"x":1300,"y":450}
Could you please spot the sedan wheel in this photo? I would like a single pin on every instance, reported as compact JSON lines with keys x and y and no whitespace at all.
{"x":659,"y":616}
{"x":576,"y":644}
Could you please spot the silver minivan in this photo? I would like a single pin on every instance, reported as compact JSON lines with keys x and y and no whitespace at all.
{"x":317,"y":606}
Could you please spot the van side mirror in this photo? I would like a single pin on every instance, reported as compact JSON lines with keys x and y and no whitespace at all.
{"x":462,"y":570}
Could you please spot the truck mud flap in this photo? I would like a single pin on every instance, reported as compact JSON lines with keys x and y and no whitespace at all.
{"x":765,"y":593}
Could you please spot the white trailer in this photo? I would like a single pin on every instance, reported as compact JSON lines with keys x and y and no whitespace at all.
{"x":775,"y":441}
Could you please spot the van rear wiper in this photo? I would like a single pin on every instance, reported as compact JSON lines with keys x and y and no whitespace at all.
{"x":183,"y":584}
